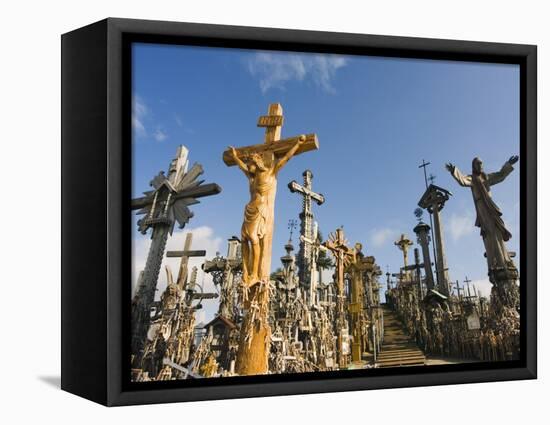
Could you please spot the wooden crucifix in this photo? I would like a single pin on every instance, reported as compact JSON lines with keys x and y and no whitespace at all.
{"x":359,"y":264}
{"x":261,"y":164}
{"x":403,"y":243}
{"x":343,"y":255}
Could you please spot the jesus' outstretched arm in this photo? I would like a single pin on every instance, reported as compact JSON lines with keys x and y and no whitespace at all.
{"x":289,"y":154}
{"x":462,"y":180}
{"x":238,"y":160}
{"x":499,"y":176}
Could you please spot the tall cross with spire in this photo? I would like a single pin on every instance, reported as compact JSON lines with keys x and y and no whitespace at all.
{"x":306,"y":224}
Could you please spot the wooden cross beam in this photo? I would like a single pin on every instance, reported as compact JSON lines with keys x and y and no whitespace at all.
{"x":190,"y":253}
{"x":403,"y":242}
{"x":194,"y":192}
{"x":412,"y":267}
{"x":272,"y":139}
{"x":204,"y":295}
{"x":314,"y":242}
{"x":185,"y":255}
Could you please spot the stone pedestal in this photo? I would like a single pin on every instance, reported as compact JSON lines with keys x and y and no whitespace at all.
{"x":423,"y":237}
{"x":434,"y":200}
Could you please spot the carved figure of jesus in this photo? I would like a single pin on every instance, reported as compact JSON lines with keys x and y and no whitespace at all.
{"x":257,"y":228}
{"x":488,"y":215}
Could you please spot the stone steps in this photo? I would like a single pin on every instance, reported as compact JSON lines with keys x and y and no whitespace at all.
{"x":398,"y":349}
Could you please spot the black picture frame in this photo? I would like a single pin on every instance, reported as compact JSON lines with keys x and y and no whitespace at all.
{"x":96,"y":259}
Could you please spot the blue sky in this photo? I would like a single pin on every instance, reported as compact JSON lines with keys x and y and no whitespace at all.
{"x":376,"y":119}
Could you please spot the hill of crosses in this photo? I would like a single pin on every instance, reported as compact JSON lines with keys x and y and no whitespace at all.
{"x":326,"y":304}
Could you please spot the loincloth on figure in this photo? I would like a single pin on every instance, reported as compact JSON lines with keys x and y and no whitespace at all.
{"x":254,"y":225}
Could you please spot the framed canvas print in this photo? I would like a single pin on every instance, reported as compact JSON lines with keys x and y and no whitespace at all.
{"x":251,"y":212}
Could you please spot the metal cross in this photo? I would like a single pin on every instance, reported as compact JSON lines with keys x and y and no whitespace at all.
{"x":424,"y":165}
{"x":292,"y":224}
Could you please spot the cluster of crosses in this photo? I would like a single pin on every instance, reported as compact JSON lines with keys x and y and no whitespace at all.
{"x":312,"y":325}
{"x":444,"y":318}
{"x":293,"y":319}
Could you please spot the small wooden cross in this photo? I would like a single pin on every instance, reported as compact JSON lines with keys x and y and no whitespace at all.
{"x":184,"y":259}
{"x":467,"y":282}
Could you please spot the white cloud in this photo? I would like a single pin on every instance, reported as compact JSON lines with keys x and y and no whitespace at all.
{"x":461,"y":225}
{"x":178,"y":120}
{"x":138,"y":126}
{"x":139,"y":111}
{"x":141,"y":120}
{"x":203,"y":238}
{"x":274,"y":70}
{"x":481,"y":285}
{"x":159,"y":135}
{"x":381,"y":236}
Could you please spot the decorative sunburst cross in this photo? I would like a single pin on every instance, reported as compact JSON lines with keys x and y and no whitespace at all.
{"x":161,"y":207}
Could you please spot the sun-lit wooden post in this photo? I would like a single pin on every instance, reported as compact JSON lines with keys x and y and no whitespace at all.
{"x":261,"y":164}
